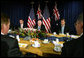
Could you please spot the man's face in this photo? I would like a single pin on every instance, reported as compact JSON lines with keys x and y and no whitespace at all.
{"x":79,"y":27}
{"x":62,"y":22}
{"x":39,"y":23}
{"x":6,"y":28}
{"x":21,"y":21}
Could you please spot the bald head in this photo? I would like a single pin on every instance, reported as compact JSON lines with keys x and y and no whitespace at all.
{"x":39,"y":22}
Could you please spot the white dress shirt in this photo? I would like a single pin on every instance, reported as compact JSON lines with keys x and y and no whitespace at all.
{"x":2,"y":33}
{"x":39,"y":28}
{"x":62,"y":29}
{"x":21,"y":25}
{"x":81,"y":34}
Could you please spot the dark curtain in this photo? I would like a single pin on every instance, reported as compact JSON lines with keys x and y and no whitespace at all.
{"x":20,"y":10}
{"x":71,"y":12}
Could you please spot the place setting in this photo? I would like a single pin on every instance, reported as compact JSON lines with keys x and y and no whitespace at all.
{"x":58,"y":46}
{"x":45,"y":41}
{"x":36,"y":44}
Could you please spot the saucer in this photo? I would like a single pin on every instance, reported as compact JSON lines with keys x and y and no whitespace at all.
{"x":57,"y":49}
{"x":23,"y":45}
{"x":35,"y":45}
{"x":45,"y":42}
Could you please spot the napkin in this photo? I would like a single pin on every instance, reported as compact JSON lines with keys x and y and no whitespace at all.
{"x":57,"y":44}
{"x":73,"y":36}
{"x":36,"y":44}
{"x":17,"y":37}
{"x":23,"y":45}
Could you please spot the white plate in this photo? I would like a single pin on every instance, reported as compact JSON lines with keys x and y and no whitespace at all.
{"x":57,"y":49}
{"x":45,"y":42}
{"x":75,"y":37}
{"x":52,"y":35}
{"x":23,"y":45}
{"x":35,"y":46}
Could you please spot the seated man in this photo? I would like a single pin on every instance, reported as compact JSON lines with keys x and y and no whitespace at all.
{"x":9,"y":46}
{"x":40,"y":26}
{"x":63,"y":28}
{"x":74,"y":48}
{"x":21,"y":23}
{"x":16,"y":27}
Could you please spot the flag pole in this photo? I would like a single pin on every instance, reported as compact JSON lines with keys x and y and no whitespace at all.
{"x":32,"y":3}
{"x":46,"y":2}
{"x":46,"y":5}
{"x":55,"y":3}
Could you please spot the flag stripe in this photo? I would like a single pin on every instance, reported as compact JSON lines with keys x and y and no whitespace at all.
{"x":46,"y":19}
{"x":29,"y":22}
{"x":39,"y":13}
{"x":45,"y":24}
{"x":31,"y":19}
{"x":56,"y":13}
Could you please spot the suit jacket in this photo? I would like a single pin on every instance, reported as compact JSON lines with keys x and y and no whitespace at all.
{"x":73,"y":48}
{"x":66,"y":29}
{"x":3,"y":51}
{"x":42,"y":27}
{"x":54,"y":26}
{"x":9,"y":47}
{"x":16,"y":26}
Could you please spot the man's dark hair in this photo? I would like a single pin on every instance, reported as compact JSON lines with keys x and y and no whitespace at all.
{"x":63,"y":19}
{"x":3,"y":15}
{"x":20,"y":19}
{"x":80,"y":17}
{"x":4,"y":19}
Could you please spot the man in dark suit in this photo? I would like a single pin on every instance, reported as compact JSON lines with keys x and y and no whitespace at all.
{"x":54,"y":25}
{"x":40,"y":26}
{"x":2,"y":48}
{"x":63,"y":28}
{"x":16,"y":27}
{"x":9,"y":46}
{"x":74,"y":48}
{"x":21,"y":23}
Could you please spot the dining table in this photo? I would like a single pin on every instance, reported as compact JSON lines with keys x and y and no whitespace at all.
{"x":45,"y":48}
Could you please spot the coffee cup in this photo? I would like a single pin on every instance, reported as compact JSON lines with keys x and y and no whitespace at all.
{"x":17,"y":37}
{"x":54,"y":33}
{"x":36,"y":44}
{"x":67,"y":34}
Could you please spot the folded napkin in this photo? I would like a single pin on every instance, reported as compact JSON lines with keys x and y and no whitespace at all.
{"x":23,"y":45}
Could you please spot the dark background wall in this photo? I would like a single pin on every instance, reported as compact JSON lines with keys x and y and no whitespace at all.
{"x":17,"y":9}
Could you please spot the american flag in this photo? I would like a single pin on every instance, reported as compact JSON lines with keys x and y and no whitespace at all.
{"x":46,"y":19}
{"x":31,"y":19}
{"x":39,"y":13}
{"x":56,"y":13}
